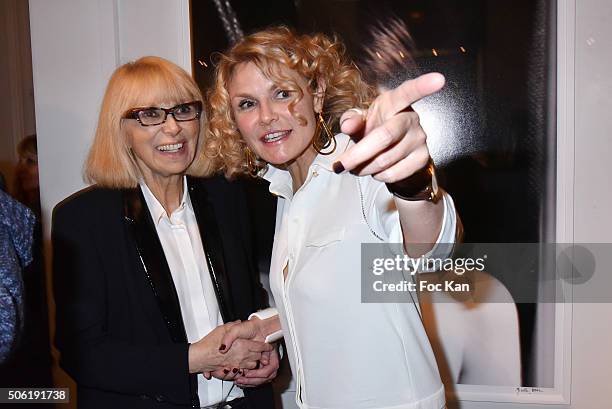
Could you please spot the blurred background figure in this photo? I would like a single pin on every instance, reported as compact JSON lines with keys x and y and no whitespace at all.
{"x":30,"y":364}
{"x":2,"y":183}
{"x":16,"y":230}
{"x":25,"y":188}
{"x":382,"y":68}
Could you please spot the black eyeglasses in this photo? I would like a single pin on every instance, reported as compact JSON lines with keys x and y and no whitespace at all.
{"x":154,"y":115}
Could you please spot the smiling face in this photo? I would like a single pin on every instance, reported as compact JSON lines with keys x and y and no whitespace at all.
{"x":165,"y":150}
{"x":270,"y":119}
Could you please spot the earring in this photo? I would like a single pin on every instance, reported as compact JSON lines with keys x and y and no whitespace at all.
{"x":324,"y":138}
{"x":253,"y":164}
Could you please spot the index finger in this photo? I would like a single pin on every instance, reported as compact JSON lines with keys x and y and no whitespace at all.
{"x":234,"y":332}
{"x":411,"y":91}
{"x":246,"y":330}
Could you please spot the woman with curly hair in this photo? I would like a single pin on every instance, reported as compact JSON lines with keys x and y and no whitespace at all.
{"x":278,"y":106}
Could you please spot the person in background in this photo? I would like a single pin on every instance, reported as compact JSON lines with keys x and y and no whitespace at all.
{"x":16,"y":234}
{"x":26,"y":186}
{"x":279,"y":106}
{"x":31,"y":363}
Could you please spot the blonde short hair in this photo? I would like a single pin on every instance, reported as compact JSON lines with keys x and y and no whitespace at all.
{"x":147,"y":81}
{"x":317,"y":58}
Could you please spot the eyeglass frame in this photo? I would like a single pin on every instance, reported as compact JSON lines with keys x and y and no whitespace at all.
{"x":133,"y":113}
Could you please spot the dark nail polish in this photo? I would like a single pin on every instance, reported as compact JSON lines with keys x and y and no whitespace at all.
{"x":338,"y":167}
{"x":235,"y":370}
{"x":222,"y":347}
{"x":226,"y":371}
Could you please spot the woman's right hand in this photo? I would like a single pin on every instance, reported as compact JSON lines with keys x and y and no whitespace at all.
{"x":204,"y":355}
{"x":254,"y":329}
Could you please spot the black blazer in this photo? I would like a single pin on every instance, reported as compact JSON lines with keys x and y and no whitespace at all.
{"x":119,"y":325}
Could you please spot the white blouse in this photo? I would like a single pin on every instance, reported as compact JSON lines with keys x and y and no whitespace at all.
{"x":345,"y":353}
{"x":182,"y":244}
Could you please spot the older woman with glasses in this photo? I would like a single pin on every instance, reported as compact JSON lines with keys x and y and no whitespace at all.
{"x":152,"y":260}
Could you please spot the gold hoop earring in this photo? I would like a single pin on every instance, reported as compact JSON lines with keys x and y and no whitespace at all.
{"x":324,"y":138}
{"x":253,"y":164}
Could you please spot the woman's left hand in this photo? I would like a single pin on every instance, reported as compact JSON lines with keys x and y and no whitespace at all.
{"x":391,"y":143}
{"x":246,"y":378}
{"x":265,"y":373}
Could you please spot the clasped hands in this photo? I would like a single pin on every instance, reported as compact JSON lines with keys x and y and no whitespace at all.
{"x":235,"y":351}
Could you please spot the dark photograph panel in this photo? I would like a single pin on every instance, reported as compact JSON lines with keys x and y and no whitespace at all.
{"x":491,"y":131}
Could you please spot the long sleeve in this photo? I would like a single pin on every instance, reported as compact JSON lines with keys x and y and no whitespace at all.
{"x":11,"y":288}
{"x":382,"y":210}
{"x":16,"y":236}
{"x":95,"y":350}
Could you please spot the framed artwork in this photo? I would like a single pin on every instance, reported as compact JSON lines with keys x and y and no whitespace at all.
{"x":499,"y":132}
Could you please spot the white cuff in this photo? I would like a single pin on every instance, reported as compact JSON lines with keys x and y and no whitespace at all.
{"x":265,"y":314}
{"x":445,"y":243}
{"x":443,"y":248}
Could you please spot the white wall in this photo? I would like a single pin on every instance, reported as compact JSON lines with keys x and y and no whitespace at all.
{"x":76,"y":45}
{"x":164,"y":31}
{"x":592,"y":332}
{"x":17,"y":102}
{"x":73,"y":54}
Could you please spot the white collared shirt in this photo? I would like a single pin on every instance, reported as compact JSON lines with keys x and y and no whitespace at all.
{"x":180,"y":238}
{"x":345,"y":353}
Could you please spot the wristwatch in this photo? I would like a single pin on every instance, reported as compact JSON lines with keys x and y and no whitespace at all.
{"x":422,"y":185}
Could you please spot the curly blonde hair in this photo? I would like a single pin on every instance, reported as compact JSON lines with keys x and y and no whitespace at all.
{"x":317,"y":58}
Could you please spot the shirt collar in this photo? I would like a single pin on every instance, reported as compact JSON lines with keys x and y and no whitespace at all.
{"x":280,"y":179}
{"x":157,"y":210}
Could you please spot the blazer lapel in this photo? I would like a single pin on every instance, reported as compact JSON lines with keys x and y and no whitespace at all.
{"x":153,"y":261}
{"x":213,"y":247}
